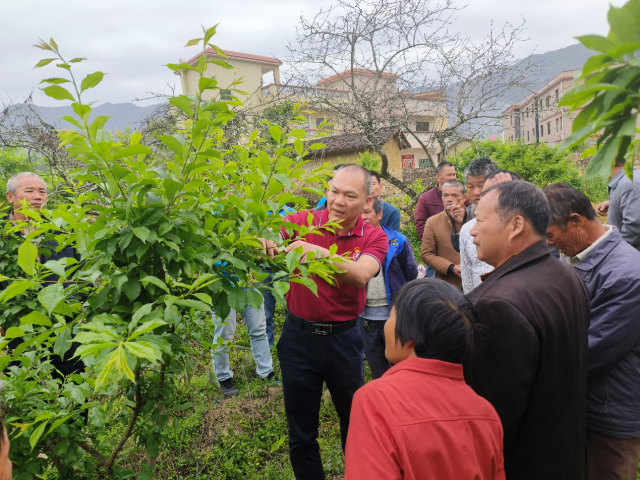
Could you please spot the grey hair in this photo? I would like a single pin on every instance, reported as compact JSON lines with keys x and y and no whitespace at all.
{"x":522,"y":198}
{"x":480,"y":166}
{"x":376,"y":205}
{"x":353,"y":167}
{"x":456,"y":184}
{"x":14,"y":182}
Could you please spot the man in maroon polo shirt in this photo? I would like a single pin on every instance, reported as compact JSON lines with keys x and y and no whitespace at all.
{"x":320,"y":341}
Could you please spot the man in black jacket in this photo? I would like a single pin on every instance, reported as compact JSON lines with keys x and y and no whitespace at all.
{"x":532,"y":362}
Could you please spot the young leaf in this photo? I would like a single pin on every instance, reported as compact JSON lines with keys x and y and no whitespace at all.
{"x":193,"y":42}
{"x":54,"y":81}
{"x":35,"y":318}
{"x":37,"y":433}
{"x":141,"y":232}
{"x":16,"y":288}
{"x":183,"y":103}
{"x":50,"y":296}
{"x":91,"y":81}
{"x":44,"y":62}
{"x":141,"y":312}
{"x":597,"y":43}
{"x":63,"y":343}
{"x":57,"y":92}
{"x":147,"y":327}
{"x":76,"y":60}
{"x":27,"y":255}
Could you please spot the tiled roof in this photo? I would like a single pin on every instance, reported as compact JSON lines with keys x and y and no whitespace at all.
{"x":242,"y":56}
{"x":360,"y":71}
{"x":350,"y":142}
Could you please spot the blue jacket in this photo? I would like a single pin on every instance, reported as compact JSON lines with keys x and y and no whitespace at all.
{"x":390,"y":216}
{"x":611,"y":272}
{"x":399,"y":264}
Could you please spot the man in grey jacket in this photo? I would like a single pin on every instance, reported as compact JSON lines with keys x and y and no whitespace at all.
{"x":623,"y":205}
{"x":610,"y":268}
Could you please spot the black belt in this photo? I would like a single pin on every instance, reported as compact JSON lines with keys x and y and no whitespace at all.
{"x":321,"y":328}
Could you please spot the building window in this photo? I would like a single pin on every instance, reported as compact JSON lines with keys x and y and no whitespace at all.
{"x":557,"y":95}
{"x":319,"y":121}
{"x":556,"y":124}
{"x":225,"y":95}
{"x":424,"y":163}
{"x":527,"y":135}
{"x":548,"y":100}
{"x":511,"y":119}
{"x":422,"y":126}
{"x":561,"y":124}
{"x":549,"y":128}
{"x":542,"y":130}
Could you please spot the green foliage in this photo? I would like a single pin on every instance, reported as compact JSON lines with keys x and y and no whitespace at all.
{"x":166,"y":236}
{"x":369,"y":161}
{"x":608,"y":95}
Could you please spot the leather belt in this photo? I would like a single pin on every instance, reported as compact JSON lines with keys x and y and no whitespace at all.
{"x":318,"y":328}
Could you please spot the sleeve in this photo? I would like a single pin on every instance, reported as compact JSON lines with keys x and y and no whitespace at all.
{"x":614,"y":328}
{"x":466,"y":262}
{"x":408,"y":262}
{"x":420,"y":215}
{"x":394,"y":220}
{"x":504,"y":363}
{"x":630,"y":213}
{"x":372,"y":450}
{"x":376,"y":246}
{"x":429,"y":251}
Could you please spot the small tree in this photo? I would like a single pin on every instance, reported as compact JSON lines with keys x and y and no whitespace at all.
{"x":173,"y":237}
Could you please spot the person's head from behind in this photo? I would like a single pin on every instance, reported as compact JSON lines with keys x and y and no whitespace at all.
{"x":445,"y":171}
{"x":26,"y":186}
{"x":429,"y":319}
{"x":510,"y":217}
{"x":373,"y":213}
{"x":574,"y":222}
{"x":350,"y":192}
{"x":475,"y":175}
{"x":499,"y":176}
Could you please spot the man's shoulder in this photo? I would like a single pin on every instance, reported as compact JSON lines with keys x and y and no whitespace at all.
{"x":373,"y":233}
{"x":436,"y":219}
{"x":303,"y":216}
{"x":388,"y":206}
{"x":466,"y":228}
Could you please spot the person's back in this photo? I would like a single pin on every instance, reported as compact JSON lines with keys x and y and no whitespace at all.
{"x":420,"y":419}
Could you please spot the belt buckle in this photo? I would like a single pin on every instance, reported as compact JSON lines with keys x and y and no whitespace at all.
{"x":317,"y":331}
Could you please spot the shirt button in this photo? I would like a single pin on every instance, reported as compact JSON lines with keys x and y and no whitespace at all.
{"x":587,"y":277}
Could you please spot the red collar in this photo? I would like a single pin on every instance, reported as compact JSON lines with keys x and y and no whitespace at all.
{"x":429,"y":366}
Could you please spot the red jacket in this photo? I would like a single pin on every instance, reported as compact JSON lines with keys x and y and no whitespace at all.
{"x":429,"y":204}
{"x":420,"y":420}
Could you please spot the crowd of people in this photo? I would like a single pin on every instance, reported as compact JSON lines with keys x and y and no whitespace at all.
{"x":519,"y":360}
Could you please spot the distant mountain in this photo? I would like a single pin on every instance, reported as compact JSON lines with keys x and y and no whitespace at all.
{"x":122,"y":115}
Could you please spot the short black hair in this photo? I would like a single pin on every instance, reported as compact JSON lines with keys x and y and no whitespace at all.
{"x":437,"y":318}
{"x":375,"y":174}
{"x":337,"y":167}
{"x":620,"y":161}
{"x":522,"y":198}
{"x":565,"y":200}
{"x":376,"y":204}
{"x":514,"y":175}
{"x":441,"y":166}
{"x":480,"y":166}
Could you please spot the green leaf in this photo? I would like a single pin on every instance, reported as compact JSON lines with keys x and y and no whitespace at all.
{"x":147,"y":327}
{"x":16,"y":288}
{"x":122,"y":364}
{"x":276,"y":133}
{"x":173,"y":144}
{"x":13,"y":332}
{"x":193,"y":42}
{"x":44,"y":62}
{"x":623,"y":27}
{"x":141,"y":312}
{"x":37,"y":433}
{"x":56,"y":267}
{"x":50,"y":296}
{"x":141,"y":232}
{"x":597,"y":43}
{"x":208,"y":83}
{"x":91,"y":81}
{"x":292,"y":259}
{"x":63,"y":343}
{"x":144,"y":350}
{"x":210,"y":32}
{"x":171,"y":187}
{"x":57,"y":92}
{"x":35,"y":318}
{"x":237,"y":299}
{"x":132,"y":289}
{"x":27,"y":255}
{"x":54,"y":81}
{"x":196,"y":304}
{"x":183,"y":103}
{"x":58,"y":422}
{"x":153,"y":448}
{"x":130,"y":150}
{"x":155,"y":281}
{"x":203,"y":297}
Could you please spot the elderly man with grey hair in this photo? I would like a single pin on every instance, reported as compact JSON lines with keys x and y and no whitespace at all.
{"x":440,"y":249}
{"x":26,"y":190}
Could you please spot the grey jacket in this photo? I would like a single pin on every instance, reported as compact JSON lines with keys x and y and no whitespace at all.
{"x":624,"y":206}
{"x":611,"y":272}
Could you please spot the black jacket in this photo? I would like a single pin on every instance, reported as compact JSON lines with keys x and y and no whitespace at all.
{"x":531,"y":363}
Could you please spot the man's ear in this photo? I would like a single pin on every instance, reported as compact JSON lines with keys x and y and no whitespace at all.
{"x":517,"y":225}
{"x":10,"y":197}
{"x":368,"y":202}
{"x":576,"y":221}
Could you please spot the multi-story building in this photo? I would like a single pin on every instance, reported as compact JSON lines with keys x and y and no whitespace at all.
{"x":538,"y":118}
{"x":418,"y":114}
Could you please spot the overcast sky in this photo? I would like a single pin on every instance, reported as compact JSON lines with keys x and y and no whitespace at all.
{"x":132,"y":40}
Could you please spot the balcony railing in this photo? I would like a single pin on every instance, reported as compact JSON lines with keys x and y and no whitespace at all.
{"x":275,"y":89}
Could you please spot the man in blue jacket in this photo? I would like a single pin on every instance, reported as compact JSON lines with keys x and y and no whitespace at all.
{"x":610,"y":268}
{"x":391,"y":215}
{"x":399,"y":267}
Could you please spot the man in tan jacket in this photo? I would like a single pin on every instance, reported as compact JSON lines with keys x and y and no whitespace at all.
{"x":441,"y":230}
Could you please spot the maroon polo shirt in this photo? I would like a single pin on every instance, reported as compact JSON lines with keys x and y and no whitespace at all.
{"x":340,"y":302}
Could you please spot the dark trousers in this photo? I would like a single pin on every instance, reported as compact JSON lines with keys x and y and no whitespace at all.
{"x":611,"y":458}
{"x":372,"y":332}
{"x":269,"y":310}
{"x":307,"y":360}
